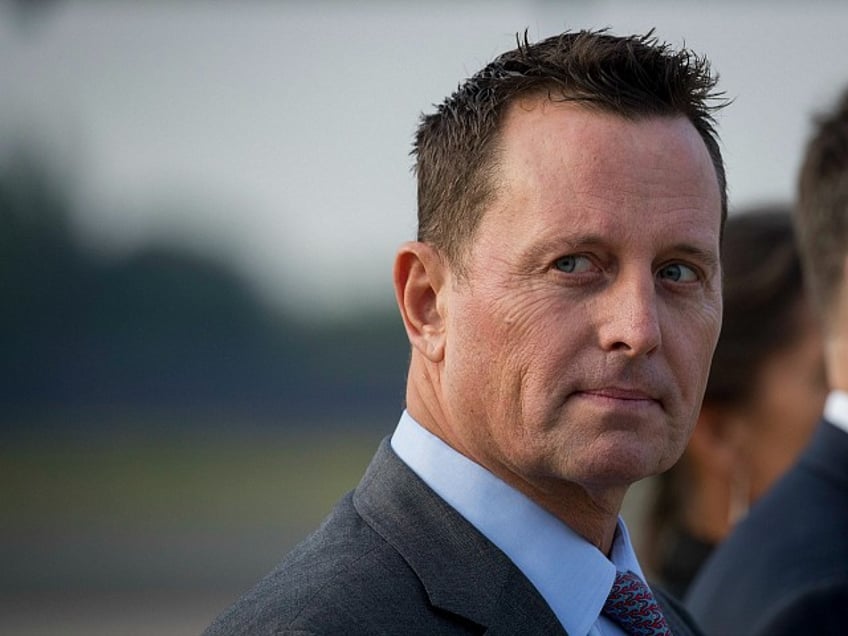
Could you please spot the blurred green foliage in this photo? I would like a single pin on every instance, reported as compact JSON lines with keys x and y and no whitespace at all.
{"x":164,"y":329}
{"x":165,"y":436}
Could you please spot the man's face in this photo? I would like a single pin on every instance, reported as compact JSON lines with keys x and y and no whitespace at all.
{"x":579,"y":340}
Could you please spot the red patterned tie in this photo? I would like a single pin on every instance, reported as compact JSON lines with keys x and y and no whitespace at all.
{"x":633,"y":607}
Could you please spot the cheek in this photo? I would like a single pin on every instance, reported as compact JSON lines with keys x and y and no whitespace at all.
{"x":522,"y":325}
{"x":478,"y":355}
{"x":706,"y":328}
{"x":695,"y":341}
{"x":516,"y":350}
{"x":689,"y":359}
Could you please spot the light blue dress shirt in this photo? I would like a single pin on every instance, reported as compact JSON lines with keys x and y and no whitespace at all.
{"x":836,"y":409}
{"x":571,"y":574}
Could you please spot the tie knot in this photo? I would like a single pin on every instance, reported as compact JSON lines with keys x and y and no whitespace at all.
{"x":632,"y":605}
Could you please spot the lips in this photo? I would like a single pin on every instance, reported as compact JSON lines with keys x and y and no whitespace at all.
{"x":618,"y":397}
{"x":617,"y":393}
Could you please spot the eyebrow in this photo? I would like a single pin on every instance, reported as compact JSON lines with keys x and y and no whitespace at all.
{"x":538,"y":254}
{"x":709,"y":258}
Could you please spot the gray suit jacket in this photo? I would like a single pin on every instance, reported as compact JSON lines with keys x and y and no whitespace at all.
{"x":394,"y":558}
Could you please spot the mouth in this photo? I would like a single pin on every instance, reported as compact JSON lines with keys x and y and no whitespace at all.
{"x":621,"y":396}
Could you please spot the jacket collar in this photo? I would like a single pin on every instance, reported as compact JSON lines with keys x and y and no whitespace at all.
{"x":461,"y":571}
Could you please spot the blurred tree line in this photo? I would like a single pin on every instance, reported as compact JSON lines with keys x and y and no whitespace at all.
{"x":88,"y":341}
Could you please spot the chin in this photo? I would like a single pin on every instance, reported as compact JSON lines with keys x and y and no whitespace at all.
{"x":623,"y":465}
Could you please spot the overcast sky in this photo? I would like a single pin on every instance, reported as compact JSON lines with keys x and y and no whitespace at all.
{"x":279,"y":132}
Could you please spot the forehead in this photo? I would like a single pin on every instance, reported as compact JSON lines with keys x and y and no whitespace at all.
{"x":563,"y":134}
{"x":566,"y":163}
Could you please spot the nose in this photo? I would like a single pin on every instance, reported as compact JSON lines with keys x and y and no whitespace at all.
{"x":630,"y":322}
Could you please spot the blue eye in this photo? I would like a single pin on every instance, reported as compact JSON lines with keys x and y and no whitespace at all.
{"x":678,"y":273}
{"x":573,"y":264}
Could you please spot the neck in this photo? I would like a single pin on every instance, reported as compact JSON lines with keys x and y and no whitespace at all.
{"x":591,"y":512}
{"x":836,"y":361}
{"x":835,"y":338}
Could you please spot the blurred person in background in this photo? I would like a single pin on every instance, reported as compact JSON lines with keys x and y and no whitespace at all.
{"x":764,"y":396}
{"x":784,"y":568}
{"x":563,"y":302}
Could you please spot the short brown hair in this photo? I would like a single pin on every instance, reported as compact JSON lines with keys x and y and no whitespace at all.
{"x":634,"y":77}
{"x":763,"y":292}
{"x":821,"y":216}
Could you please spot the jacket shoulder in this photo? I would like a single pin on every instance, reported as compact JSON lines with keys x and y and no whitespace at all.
{"x":342,"y":579}
{"x":816,"y":609}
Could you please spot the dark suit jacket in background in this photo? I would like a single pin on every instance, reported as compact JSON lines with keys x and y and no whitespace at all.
{"x":394,"y":558}
{"x":784,"y":569}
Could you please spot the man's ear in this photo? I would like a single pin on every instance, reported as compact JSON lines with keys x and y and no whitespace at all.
{"x":420,"y":275}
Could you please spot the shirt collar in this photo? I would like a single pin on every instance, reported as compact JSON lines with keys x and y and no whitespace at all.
{"x":836,"y":409}
{"x":575,"y":584}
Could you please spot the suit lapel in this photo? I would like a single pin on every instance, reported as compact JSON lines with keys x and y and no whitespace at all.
{"x":679,"y":621}
{"x":462,"y":571}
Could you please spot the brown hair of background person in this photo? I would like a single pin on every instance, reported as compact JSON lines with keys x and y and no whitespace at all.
{"x":764,"y":395}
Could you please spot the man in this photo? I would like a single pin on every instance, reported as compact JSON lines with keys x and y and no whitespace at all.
{"x":784,"y":570}
{"x":563,"y":303}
